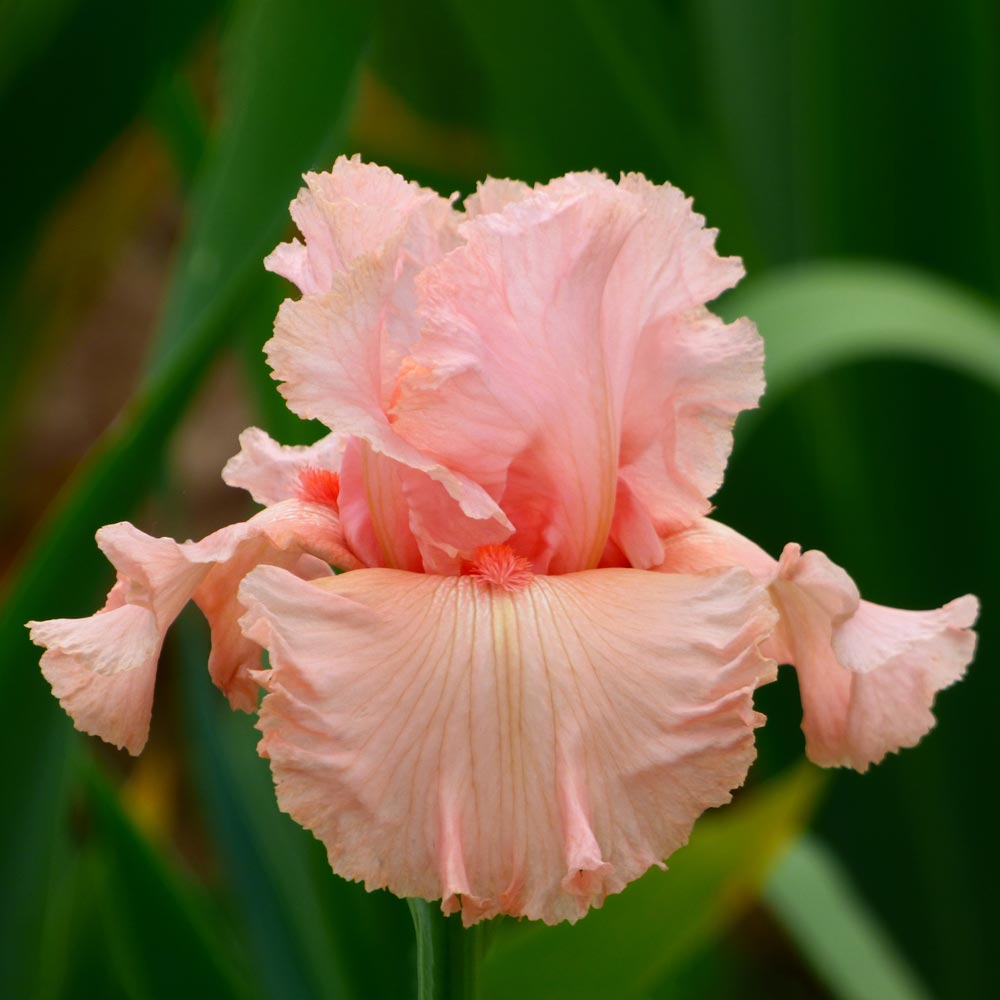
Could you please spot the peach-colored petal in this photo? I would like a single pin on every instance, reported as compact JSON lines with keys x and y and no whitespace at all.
{"x":868,"y":674}
{"x":103,"y":668}
{"x":494,"y":195}
{"x":525,"y":748}
{"x":513,"y":341}
{"x":303,"y":537}
{"x":708,"y":545}
{"x":570,"y":332}
{"x":328,"y":350}
{"x":692,"y":374}
{"x":270,"y":472}
{"x":354,"y":209}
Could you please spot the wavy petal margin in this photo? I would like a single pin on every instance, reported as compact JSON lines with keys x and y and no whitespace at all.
{"x":103,"y":668}
{"x":522,"y":752}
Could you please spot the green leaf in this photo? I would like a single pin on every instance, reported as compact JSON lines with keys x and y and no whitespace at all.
{"x":244,"y":190}
{"x":291,"y":75}
{"x":656,"y":923}
{"x":813,"y":899}
{"x":814,"y":317}
{"x":163,"y":929}
{"x":100,"y":61}
{"x":312,"y":933}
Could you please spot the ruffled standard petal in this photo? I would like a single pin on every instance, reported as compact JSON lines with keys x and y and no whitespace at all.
{"x":494,"y":195}
{"x":524,"y":751}
{"x":103,"y":668}
{"x":868,"y":675}
{"x":513,"y":341}
{"x":329,"y":353}
{"x":570,"y":331}
{"x":272,"y":472}
{"x":358,"y":208}
{"x":691,"y":375}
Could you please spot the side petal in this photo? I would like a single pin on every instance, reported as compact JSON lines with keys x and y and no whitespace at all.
{"x":270,"y":472}
{"x":103,"y":668}
{"x":523,"y":751}
{"x":300,"y":537}
{"x":900,"y":660}
{"x":868,"y":675}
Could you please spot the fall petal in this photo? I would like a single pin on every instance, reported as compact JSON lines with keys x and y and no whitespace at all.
{"x":900,"y":660}
{"x":708,"y":544}
{"x":270,"y":472}
{"x":103,"y":668}
{"x":868,"y":674}
{"x":523,"y":752}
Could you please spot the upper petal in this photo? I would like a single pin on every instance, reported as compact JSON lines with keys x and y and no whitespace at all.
{"x":494,"y":195}
{"x":691,"y":374}
{"x":571,"y":335}
{"x":513,"y":341}
{"x":521,"y":752}
{"x":358,"y":208}
{"x":329,"y":352}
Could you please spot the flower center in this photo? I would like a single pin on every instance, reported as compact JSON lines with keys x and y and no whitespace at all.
{"x":498,"y":565}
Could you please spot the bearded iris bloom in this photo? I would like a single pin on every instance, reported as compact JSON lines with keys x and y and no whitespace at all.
{"x":539,"y":667}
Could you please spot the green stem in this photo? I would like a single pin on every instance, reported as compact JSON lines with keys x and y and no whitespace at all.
{"x":448,"y":955}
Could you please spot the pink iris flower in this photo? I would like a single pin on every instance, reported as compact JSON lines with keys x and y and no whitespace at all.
{"x":539,"y":670}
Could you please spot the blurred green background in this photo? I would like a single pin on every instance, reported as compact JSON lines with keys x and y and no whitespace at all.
{"x":848,"y":151}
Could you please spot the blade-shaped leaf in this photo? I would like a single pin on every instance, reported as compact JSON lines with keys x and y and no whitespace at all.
{"x":816,"y":316}
{"x":312,"y":934}
{"x":168,"y":934}
{"x":313,"y":76}
{"x":114,"y":51}
{"x":657,"y":922}
{"x":812,"y":897}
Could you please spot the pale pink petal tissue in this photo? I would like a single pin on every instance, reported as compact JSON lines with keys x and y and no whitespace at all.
{"x":531,"y":751}
{"x":868,"y":675}
{"x":117,"y":649}
{"x":539,"y":669}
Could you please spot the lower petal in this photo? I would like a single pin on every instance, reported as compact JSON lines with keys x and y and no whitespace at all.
{"x":868,"y":675}
{"x":103,"y":668}
{"x":524,"y":752}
